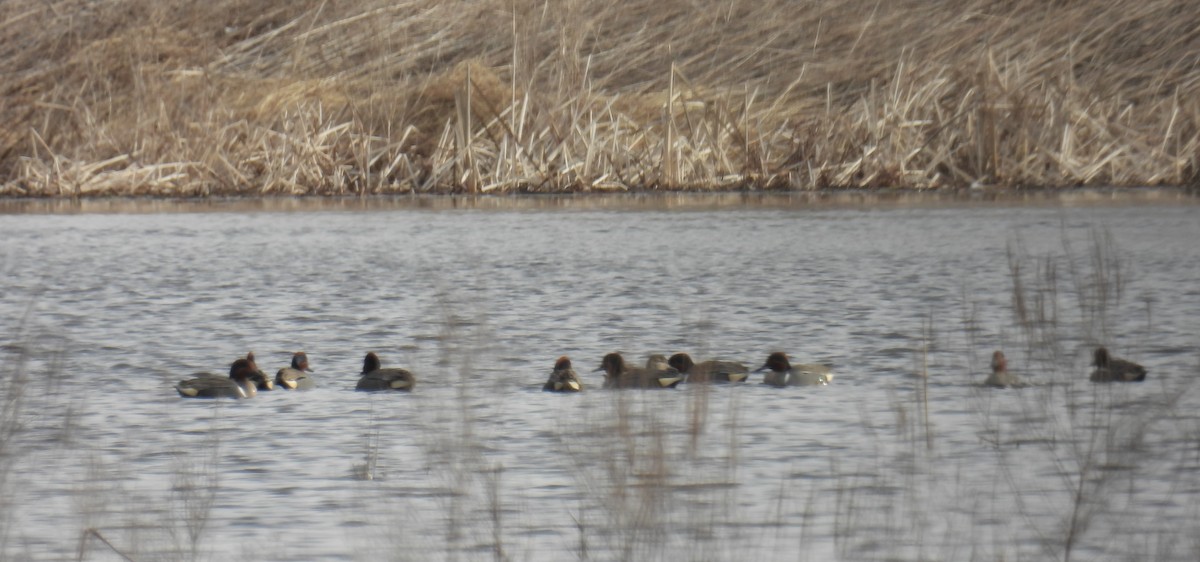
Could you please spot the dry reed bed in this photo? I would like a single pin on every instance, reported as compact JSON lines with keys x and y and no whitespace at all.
{"x":130,"y":97}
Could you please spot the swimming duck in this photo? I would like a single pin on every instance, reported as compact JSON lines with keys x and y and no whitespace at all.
{"x":295,"y":377}
{"x":239,"y":383}
{"x":1112,"y":369}
{"x":709,"y":371}
{"x":619,"y":375}
{"x":375,"y":378}
{"x":783,"y":373}
{"x":563,"y":377}
{"x":658,"y":364}
{"x":1000,"y":377}
{"x":261,"y":382}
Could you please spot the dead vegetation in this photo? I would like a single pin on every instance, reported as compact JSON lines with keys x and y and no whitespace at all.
{"x":131,"y":97}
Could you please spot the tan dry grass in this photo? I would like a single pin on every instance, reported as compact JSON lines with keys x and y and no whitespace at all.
{"x":130,"y":97}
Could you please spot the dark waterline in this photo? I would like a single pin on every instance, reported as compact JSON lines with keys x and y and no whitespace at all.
{"x":619,"y":202}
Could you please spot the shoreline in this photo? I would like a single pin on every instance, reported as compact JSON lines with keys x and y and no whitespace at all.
{"x":629,"y":201}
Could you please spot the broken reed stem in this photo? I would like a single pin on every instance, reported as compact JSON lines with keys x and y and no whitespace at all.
{"x":94,"y":533}
{"x":925,"y":382}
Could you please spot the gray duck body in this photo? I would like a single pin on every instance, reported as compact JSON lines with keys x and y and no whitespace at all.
{"x":238,"y":384}
{"x":563,"y":377}
{"x":295,"y":377}
{"x":781,"y":372}
{"x":711,"y":371}
{"x":1000,"y":377}
{"x":375,"y":378}
{"x":618,"y":374}
{"x":1112,"y":369}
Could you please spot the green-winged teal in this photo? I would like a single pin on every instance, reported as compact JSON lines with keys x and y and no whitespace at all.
{"x":296,"y":376}
{"x":563,"y":377}
{"x":261,"y":382}
{"x":1000,"y":377}
{"x":658,"y":364}
{"x":619,"y":375}
{"x":709,"y":371}
{"x":1112,"y":369}
{"x":780,"y":372}
{"x":239,"y":384}
{"x":376,"y":378}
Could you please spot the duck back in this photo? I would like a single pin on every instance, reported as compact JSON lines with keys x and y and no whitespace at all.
{"x":387,"y":379}
{"x":293,"y":379}
{"x":206,"y":385}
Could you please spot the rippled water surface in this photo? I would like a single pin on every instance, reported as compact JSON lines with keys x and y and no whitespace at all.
{"x":904,"y":457}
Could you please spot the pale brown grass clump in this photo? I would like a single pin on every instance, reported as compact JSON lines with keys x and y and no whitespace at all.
{"x":131,"y":97}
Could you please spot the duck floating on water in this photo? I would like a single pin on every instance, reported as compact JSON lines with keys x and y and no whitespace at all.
{"x":296,"y":376}
{"x":709,"y":371}
{"x":1112,"y":369}
{"x":617,"y":374}
{"x":261,"y":382}
{"x":563,"y":377}
{"x":239,"y":384}
{"x":781,"y":372}
{"x":1000,"y":377}
{"x":374,"y":377}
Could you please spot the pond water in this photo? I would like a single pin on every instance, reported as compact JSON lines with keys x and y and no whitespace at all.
{"x":903,"y":457}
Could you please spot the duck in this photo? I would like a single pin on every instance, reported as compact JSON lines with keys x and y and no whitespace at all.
{"x":782,"y":373}
{"x":709,"y":371}
{"x":563,"y":377}
{"x":296,"y":376}
{"x":261,"y":382}
{"x":376,"y":378}
{"x":239,"y":383}
{"x":619,"y":375}
{"x":657,"y":363}
{"x":1000,"y":377}
{"x":1112,"y":369}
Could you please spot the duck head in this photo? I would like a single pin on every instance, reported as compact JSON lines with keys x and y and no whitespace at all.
{"x":371,"y":363}
{"x":681,"y":361}
{"x":999,"y":363}
{"x":1100,"y":358}
{"x":259,"y":378}
{"x":300,"y":362}
{"x":242,"y":369}
{"x":243,"y":372}
{"x":563,"y":376}
{"x":612,"y":365}
{"x":777,"y":362}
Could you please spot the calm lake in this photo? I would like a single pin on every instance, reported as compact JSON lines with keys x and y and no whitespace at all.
{"x":904,"y":457}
